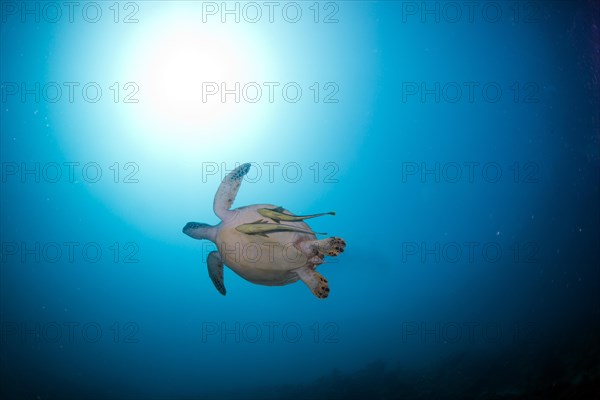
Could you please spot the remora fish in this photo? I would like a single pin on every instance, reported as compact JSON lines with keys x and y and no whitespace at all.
{"x":261,"y":227}
{"x":277,"y":214}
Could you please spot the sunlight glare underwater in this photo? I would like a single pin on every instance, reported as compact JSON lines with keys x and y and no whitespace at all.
{"x":172,"y":63}
{"x":182,"y":67}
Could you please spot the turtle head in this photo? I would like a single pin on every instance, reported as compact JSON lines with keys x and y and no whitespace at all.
{"x":198,"y":230}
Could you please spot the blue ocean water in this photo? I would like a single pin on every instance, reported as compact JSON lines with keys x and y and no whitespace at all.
{"x":457,"y":142}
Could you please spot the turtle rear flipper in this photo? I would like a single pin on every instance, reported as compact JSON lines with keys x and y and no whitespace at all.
{"x":331,"y":246}
{"x":315,"y":281}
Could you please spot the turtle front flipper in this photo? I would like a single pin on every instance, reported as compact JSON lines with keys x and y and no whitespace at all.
{"x":215,"y":271}
{"x":315,"y":281}
{"x":228,"y":190}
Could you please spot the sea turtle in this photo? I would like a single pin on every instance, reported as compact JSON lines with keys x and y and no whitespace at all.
{"x":267,"y":253}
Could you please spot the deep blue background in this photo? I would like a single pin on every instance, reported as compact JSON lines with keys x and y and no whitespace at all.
{"x":397,"y":324}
